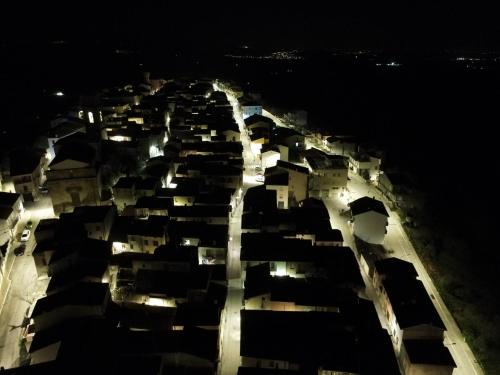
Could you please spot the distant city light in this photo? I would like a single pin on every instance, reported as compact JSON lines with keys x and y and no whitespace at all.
{"x":59,"y":93}
{"x":91,"y":117}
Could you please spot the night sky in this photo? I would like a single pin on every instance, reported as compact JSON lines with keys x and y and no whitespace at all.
{"x":256,"y":23}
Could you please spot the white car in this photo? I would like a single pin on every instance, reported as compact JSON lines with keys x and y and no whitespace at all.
{"x":259,"y":178}
{"x":25,"y":236}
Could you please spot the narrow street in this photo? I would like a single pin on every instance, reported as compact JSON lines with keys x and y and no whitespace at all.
{"x":25,"y":287}
{"x":230,"y":330}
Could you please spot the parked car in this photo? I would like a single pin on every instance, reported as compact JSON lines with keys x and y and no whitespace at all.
{"x":18,"y":251}
{"x":25,"y":236}
{"x":259,"y":177}
{"x":43,"y":189}
{"x":29,"y":225}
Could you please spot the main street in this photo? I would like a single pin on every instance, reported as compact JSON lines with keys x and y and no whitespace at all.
{"x":230,"y":330}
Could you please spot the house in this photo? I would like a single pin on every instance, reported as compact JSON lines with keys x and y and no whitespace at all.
{"x":299,"y":258}
{"x":201,"y":314}
{"x":211,"y":240}
{"x":320,"y":342}
{"x":192,"y":350}
{"x":124,"y":192}
{"x":42,"y":253}
{"x":11,"y":208}
{"x":80,"y":300}
{"x":366,"y":165}
{"x":328,"y":174}
{"x":65,"y":128}
{"x":266,"y":292}
{"x":161,"y":168}
{"x":278,"y":181}
{"x":343,"y":145}
{"x":68,"y":338}
{"x":369,"y":219}
{"x":26,"y":173}
{"x":407,"y":305}
{"x":290,"y":138}
{"x":73,"y":178}
{"x":97,"y":220}
{"x":213,"y":173}
{"x":271,"y":153}
{"x":230,"y":132}
{"x":295,"y":188}
{"x":155,"y":206}
{"x":259,"y":199}
{"x":210,"y":214}
{"x":420,"y":357}
{"x":147,"y":187}
{"x":145,"y":235}
{"x":250,"y":108}
{"x":211,"y":148}
{"x":256,"y":121}
{"x":258,"y":138}
{"x":72,"y":260}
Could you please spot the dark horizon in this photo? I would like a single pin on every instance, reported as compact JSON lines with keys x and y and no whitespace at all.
{"x":416,"y":28}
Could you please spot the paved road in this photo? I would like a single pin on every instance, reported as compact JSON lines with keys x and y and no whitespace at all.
{"x":25,"y":287}
{"x":230,"y":330}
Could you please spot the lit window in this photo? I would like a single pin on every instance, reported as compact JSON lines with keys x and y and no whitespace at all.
{"x":91,"y":117}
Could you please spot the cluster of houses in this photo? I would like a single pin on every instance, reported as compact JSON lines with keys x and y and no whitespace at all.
{"x":143,"y":180}
{"x":302,"y":307}
{"x":417,"y":330}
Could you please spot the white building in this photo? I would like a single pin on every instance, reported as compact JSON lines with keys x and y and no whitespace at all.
{"x":370,"y":219}
{"x":251,"y":108}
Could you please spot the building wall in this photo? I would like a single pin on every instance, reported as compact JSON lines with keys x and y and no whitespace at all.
{"x":209,"y":220}
{"x":27,"y":184}
{"x":45,"y":354}
{"x":58,"y":315}
{"x":212,"y":255}
{"x":282,"y":195}
{"x":8,"y":227}
{"x":269,"y":159}
{"x":42,"y":260}
{"x":324,"y":182}
{"x":72,"y":188}
{"x":370,"y":227}
{"x":124,"y":197}
{"x":184,"y":200}
{"x":232,"y":136}
{"x":284,"y":268}
{"x":423,"y":331}
{"x":264,"y":302}
{"x":283,"y":152}
{"x":101,"y":230}
{"x":371,"y":168}
{"x":250,"y":110}
{"x":298,"y":186}
{"x":422,"y":369}
{"x":145,"y":244}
